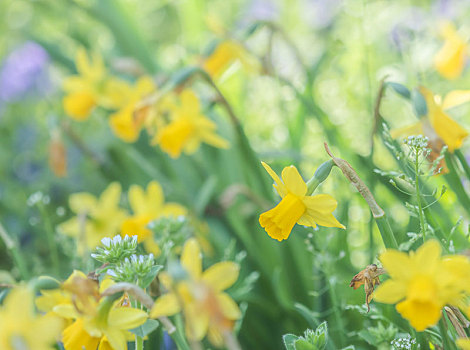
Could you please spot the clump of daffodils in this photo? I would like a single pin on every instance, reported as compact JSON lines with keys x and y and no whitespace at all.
{"x":115,"y":249}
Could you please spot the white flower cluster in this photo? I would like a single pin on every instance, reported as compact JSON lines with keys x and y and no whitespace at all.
{"x":116,"y":249}
{"x":404,"y":343}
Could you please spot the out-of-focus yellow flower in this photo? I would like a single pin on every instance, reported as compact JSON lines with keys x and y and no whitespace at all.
{"x":188,"y":128}
{"x":451,"y":58}
{"x":422,"y":282}
{"x":20,"y":328}
{"x":463,"y":343}
{"x":296,"y":206}
{"x":224,"y":55}
{"x":96,"y":217}
{"x":207,"y":308}
{"x":91,"y":87}
{"x":147,"y":206}
{"x":437,"y":125}
{"x":98,"y":322}
{"x":127,"y":122}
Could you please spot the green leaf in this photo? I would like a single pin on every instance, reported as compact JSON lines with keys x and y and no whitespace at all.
{"x":148,"y":327}
{"x":302,"y":344}
{"x":289,"y":341}
{"x":419,"y":103}
{"x":150,"y":276}
{"x":399,"y":89}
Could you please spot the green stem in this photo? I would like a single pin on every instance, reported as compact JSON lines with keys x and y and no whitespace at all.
{"x":139,"y":343}
{"x":386,"y":232}
{"x":446,"y":342}
{"x":418,"y":198}
{"x":12,"y":247}
{"x":463,"y":162}
{"x":50,"y":238}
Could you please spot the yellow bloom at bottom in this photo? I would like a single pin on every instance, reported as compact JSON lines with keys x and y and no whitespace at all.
{"x":20,"y":328}
{"x":463,"y":343}
{"x":296,"y":206}
{"x":175,"y":136}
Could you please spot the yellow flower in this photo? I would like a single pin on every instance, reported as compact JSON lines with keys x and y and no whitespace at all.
{"x":451,"y":58}
{"x":96,"y":217}
{"x":20,"y":328}
{"x":422,"y":282}
{"x":188,"y":128}
{"x":147,"y":206}
{"x":127,"y":123}
{"x":463,"y":343}
{"x":207,"y":308}
{"x":296,"y":206}
{"x":437,"y":125}
{"x":225,"y":54}
{"x":91,"y":87}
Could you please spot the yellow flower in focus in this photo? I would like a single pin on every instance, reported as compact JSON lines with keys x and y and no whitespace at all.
{"x":147,"y":206}
{"x":20,"y":328}
{"x":96,"y":217}
{"x":422,"y":282}
{"x":224,"y":55}
{"x":91,"y":87}
{"x":128,"y":122}
{"x":188,"y":128}
{"x":451,"y":58}
{"x":437,"y":125}
{"x":296,"y":206}
{"x":207,"y":308}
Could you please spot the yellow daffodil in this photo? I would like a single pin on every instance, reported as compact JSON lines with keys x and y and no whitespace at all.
{"x":91,"y":87}
{"x":20,"y":328}
{"x":422,"y":282}
{"x":437,"y":125}
{"x":463,"y":343}
{"x":224,"y":55}
{"x":96,"y":217}
{"x":207,"y":308}
{"x":97,"y":322}
{"x":188,"y":128}
{"x":451,"y":58}
{"x":147,"y":206}
{"x":127,"y":123}
{"x":296,"y":206}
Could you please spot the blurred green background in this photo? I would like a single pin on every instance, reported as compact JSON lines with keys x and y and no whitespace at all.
{"x":323,"y":62}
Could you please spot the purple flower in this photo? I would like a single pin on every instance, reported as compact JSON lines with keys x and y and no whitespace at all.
{"x":24,"y":71}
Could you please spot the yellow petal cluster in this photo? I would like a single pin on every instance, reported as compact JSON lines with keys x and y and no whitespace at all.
{"x":127,"y":122}
{"x":187,"y":128}
{"x":95,"y":218}
{"x":91,"y":87}
{"x":207,"y":308}
{"x":148,"y":205}
{"x":226,"y":54}
{"x":91,"y":321}
{"x":422,"y":282}
{"x":296,"y":207}
{"x":437,"y":125}
{"x":451,"y":58}
{"x":21,"y":328}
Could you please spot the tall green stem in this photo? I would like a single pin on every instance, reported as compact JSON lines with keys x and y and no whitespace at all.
{"x":50,"y":238}
{"x":12,"y":247}
{"x":139,"y":343}
{"x":418,"y":198}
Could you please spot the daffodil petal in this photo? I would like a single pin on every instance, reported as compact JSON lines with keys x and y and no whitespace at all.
{"x":221,"y":275}
{"x":421,"y":315}
{"x":82,"y":202}
{"x":197,"y":322}
{"x":116,"y":338}
{"x":191,"y":258}
{"x":390,"y":292}
{"x":293,"y":181}
{"x":166,"y":305}
{"x":428,"y":256}
{"x":396,"y":263}
{"x":278,"y":184}
{"x":229,"y":308}
{"x":126,"y":317}
{"x":456,"y":98}
{"x":413,"y":129}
